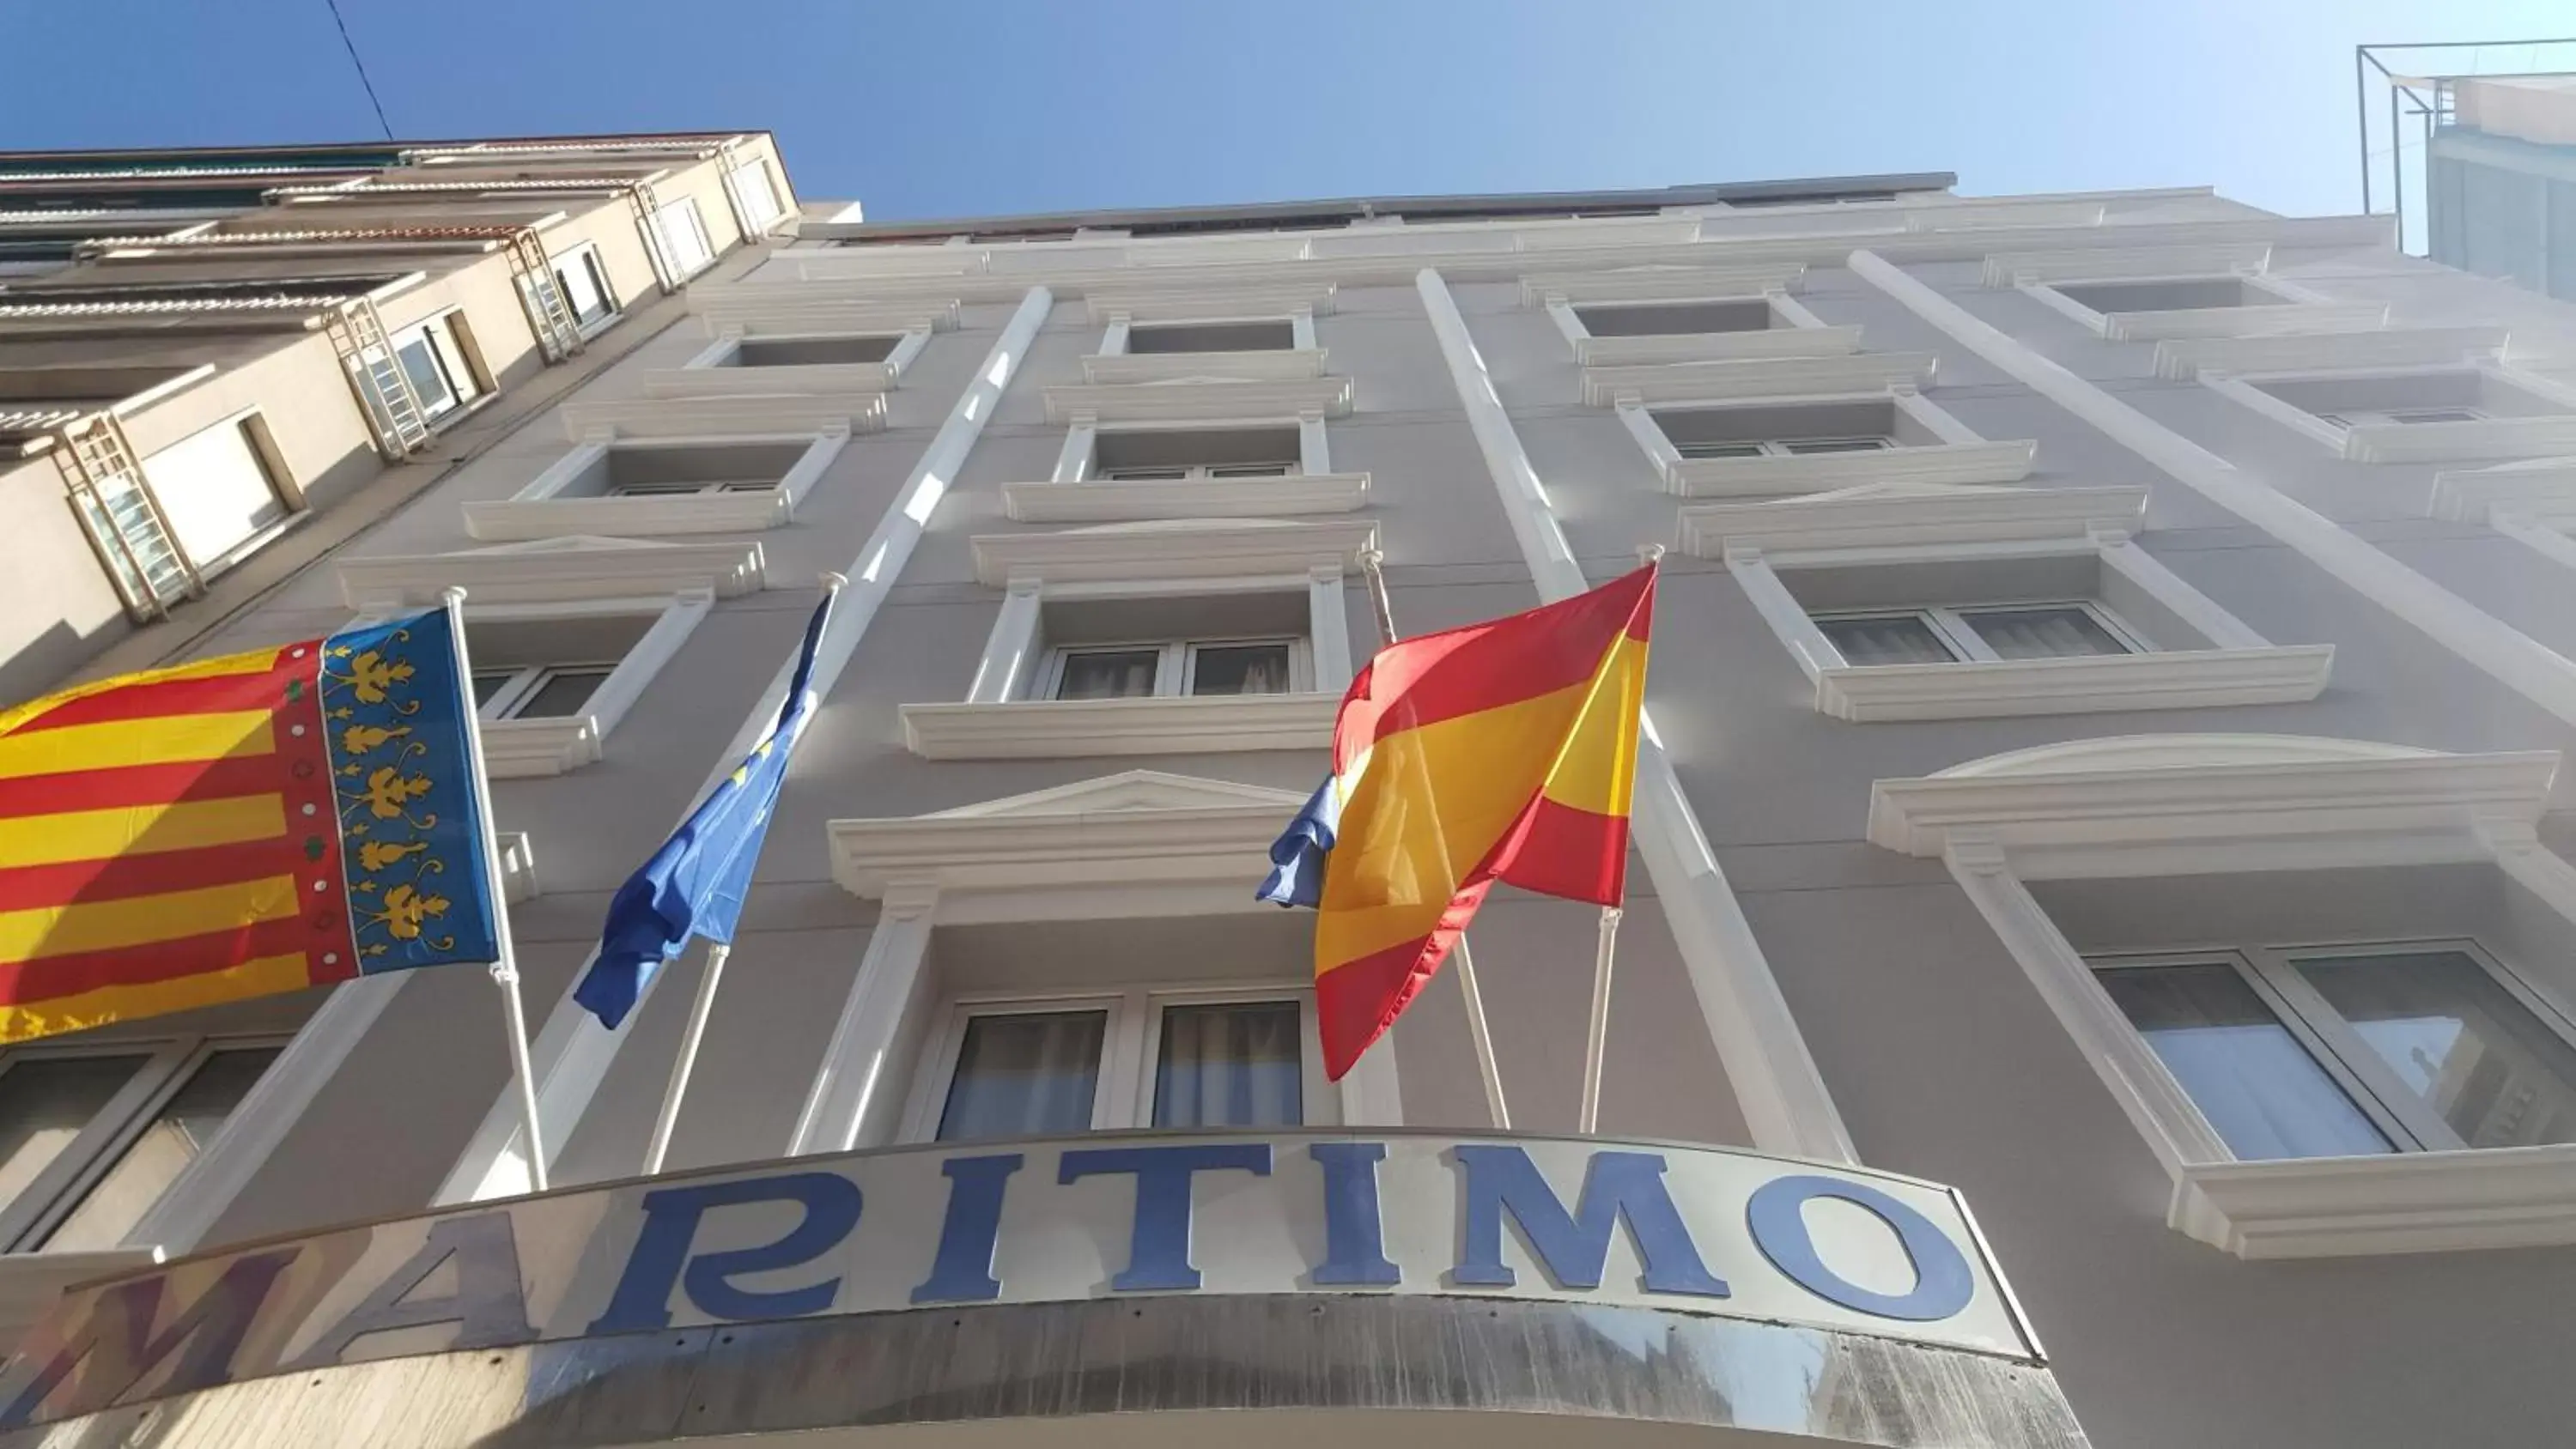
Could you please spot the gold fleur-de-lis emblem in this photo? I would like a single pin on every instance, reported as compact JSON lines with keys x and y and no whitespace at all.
{"x":388,"y":791}
{"x":371,"y":673}
{"x":377,"y":854}
{"x":358,"y":739}
{"x":405,"y":909}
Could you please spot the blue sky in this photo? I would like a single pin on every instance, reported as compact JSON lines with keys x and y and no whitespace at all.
{"x":928,"y":108}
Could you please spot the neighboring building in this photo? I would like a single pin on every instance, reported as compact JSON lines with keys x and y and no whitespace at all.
{"x":2501,"y":180}
{"x":203,"y":352}
{"x":2111,"y":681}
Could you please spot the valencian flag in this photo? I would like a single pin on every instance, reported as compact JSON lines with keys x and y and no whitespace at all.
{"x":694,"y":885}
{"x":1504,"y":751}
{"x":239,"y":826}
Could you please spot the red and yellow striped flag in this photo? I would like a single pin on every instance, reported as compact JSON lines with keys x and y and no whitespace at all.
{"x":1505,"y":751}
{"x":236,"y":827}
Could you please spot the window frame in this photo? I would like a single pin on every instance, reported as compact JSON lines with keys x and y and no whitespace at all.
{"x":1200,"y":473}
{"x":170,"y":1062}
{"x":1788,"y":447}
{"x":2350,"y":418}
{"x":686,"y":206}
{"x":1177,"y":668}
{"x":1130,"y":1047}
{"x":450,"y":340}
{"x":1949,"y":624}
{"x":526,"y":682}
{"x":1958,"y":454}
{"x":586,"y":255}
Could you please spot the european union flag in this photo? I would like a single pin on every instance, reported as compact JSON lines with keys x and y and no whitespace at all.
{"x":694,"y":884}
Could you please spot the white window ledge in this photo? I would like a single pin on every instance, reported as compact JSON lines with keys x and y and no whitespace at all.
{"x":767,"y":415}
{"x":1181,"y":725}
{"x":522,"y":749}
{"x":1659,"y":284}
{"x":2287,"y":319}
{"x":1770,"y":342}
{"x":1137,"y":301}
{"x":1690,"y":382}
{"x":504,"y":519}
{"x":784,"y":308}
{"x":2116,"y":264}
{"x":2541,"y":490}
{"x":1906,"y":514}
{"x":2092,"y":684}
{"x":817,"y":379}
{"x":559,"y":570}
{"x":1196,"y":401}
{"x":1267,"y":365}
{"x":2523,"y":437}
{"x":2181,"y":359}
{"x":1114,"y":500}
{"x":2400,"y":1202}
{"x":1956,"y":463}
{"x":1177,"y":550}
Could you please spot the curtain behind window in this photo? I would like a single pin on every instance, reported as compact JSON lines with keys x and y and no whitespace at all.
{"x":2251,"y":1078}
{"x":1235,"y":1064}
{"x":2043,"y":633}
{"x":1890,"y":639}
{"x":1025,"y":1074}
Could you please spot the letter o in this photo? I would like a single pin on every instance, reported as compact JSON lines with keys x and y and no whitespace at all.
{"x":1943,"y":1283}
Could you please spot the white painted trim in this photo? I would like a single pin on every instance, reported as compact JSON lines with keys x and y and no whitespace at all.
{"x":1777,"y":1086}
{"x":1140,"y":300}
{"x":2523,"y":664}
{"x":1696,"y":382}
{"x":808,"y":379}
{"x":561,"y":570}
{"x":573,"y":1052}
{"x":539,"y":511}
{"x":1081,"y":445}
{"x":2124,"y":264}
{"x":865,"y":1036}
{"x":1136,"y":367}
{"x":1197,"y":401}
{"x":758,"y":309}
{"x":2287,"y":319}
{"x":1044,"y":729}
{"x":764,"y":415}
{"x":1659,"y":284}
{"x":1960,"y":458}
{"x":1112,"y":501}
{"x":1892,"y":516}
{"x":1328,"y":628}
{"x":2181,"y":359}
{"x":2161,"y":679}
{"x":1011,"y":649}
{"x":2399,"y":1202}
{"x":2539,"y":490}
{"x":1167,"y":550}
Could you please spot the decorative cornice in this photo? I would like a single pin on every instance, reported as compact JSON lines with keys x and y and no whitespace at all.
{"x":2398,"y":1202}
{"x":2112,"y":264}
{"x":1661,"y":284}
{"x":1144,"y":302}
{"x":1067,"y":728}
{"x":1180,"y":549}
{"x":508,"y":519}
{"x":2182,"y":359}
{"x":2543,"y":489}
{"x":1118,"y":501}
{"x":1678,"y":382}
{"x":1924,"y":464}
{"x":2544,"y":434}
{"x":1132,"y":367}
{"x":820,"y":379}
{"x":758,"y":309}
{"x":524,"y":749}
{"x":1901,"y":515}
{"x":1173,"y":402}
{"x":2090,"y":684}
{"x":567,"y":570}
{"x":1717,"y":346}
{"x":2284,"y":320}
{"x":766,"y":415}
{"x":2207,"y":790}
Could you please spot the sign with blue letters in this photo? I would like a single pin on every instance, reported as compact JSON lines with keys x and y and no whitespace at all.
{"x":1695,"y":1230}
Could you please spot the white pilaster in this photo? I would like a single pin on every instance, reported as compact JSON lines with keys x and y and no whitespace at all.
{"x":1312,"y":454}
{"x":872,"y":1016}
{"x":1073,"y":464}
{"x":1327,"y":608}
{"x":1113,"y":341}
{"x":1008,"y":649}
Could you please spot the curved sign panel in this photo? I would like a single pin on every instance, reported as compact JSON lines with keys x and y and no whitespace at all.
{"x":1699,"y":1230}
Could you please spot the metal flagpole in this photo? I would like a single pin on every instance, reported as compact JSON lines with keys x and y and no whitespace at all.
{"x":1596,"y":1045}
{"x":703,"y":1005}
{"x":505,"y":969}
{"x":1371,"y":564}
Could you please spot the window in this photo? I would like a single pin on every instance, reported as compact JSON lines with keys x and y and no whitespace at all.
{"x":810,"y":351}
{"x":642,"y":470}
{"x":435,"y":356}
{"x":1200,"y":472}
{"x":753,"y":192}
{"x":90,"y":1138}
{"x":583,"y":279}
{"x":2182,"y":294}
{"x":1675,"y":319}
{"x":684,"y":238}
{"x":2352,"y":418}
{"x":1783,"y":447}
{"x":1197,"y":668}
{"x":686,"y":487}
{"x":1198,"y":454}
{"x":2338,"y":1052}
{"x":1272,"y":336}
{"x":538,"y":691}
{"x":2001,"y":632}
{"x":1146,"y":1058}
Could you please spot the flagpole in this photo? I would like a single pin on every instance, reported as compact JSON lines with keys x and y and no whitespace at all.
{"x":703,"y":1005}
{"x":505,"y":966}
{"x":1487,"y":1067}
{"x":1596,"y":1044}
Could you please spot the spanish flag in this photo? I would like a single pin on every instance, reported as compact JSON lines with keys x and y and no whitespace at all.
{"x":237,"y":827}
{"x":1504,"y":751}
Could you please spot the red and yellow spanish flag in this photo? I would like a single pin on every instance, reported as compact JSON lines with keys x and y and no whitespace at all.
{"x":1504,"y":751}
{"x":237,"y":827}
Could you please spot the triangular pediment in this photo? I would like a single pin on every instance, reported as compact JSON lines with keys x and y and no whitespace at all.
{"x":1129,"y":790}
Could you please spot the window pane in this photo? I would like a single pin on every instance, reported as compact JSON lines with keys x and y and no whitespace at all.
{"x":2458,"y":1040}
{"x":583,"y":290}
{"x":1719,"y":450}
{"x":1139,"y":475}
{"x":1234,"y":1065}
{"x":1239,"y":669}
{"x":185,"y":1124}
{"x":1887,"y":639}
{"x":683,"y":236}
{"x":44,"y":1104}
{"x":489,"y":682}
{"x":428,"y":380}
{"x":562,"y":695}
{"x":2259,"y":1088}
{"x":2436,"y":415}
{"x":1835,"y":445}
{"x":1251,"y":470}
{"x":2043,"y":633}
{"x":1109,"y":674}
{"x":1024,"y":1075}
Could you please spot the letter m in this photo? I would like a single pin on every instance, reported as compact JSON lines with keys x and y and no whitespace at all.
{"x":117,"y":1341}
{"x":1574,"y":1247}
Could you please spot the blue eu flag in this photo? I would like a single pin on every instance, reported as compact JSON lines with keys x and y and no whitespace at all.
{"x":694,"y":884}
